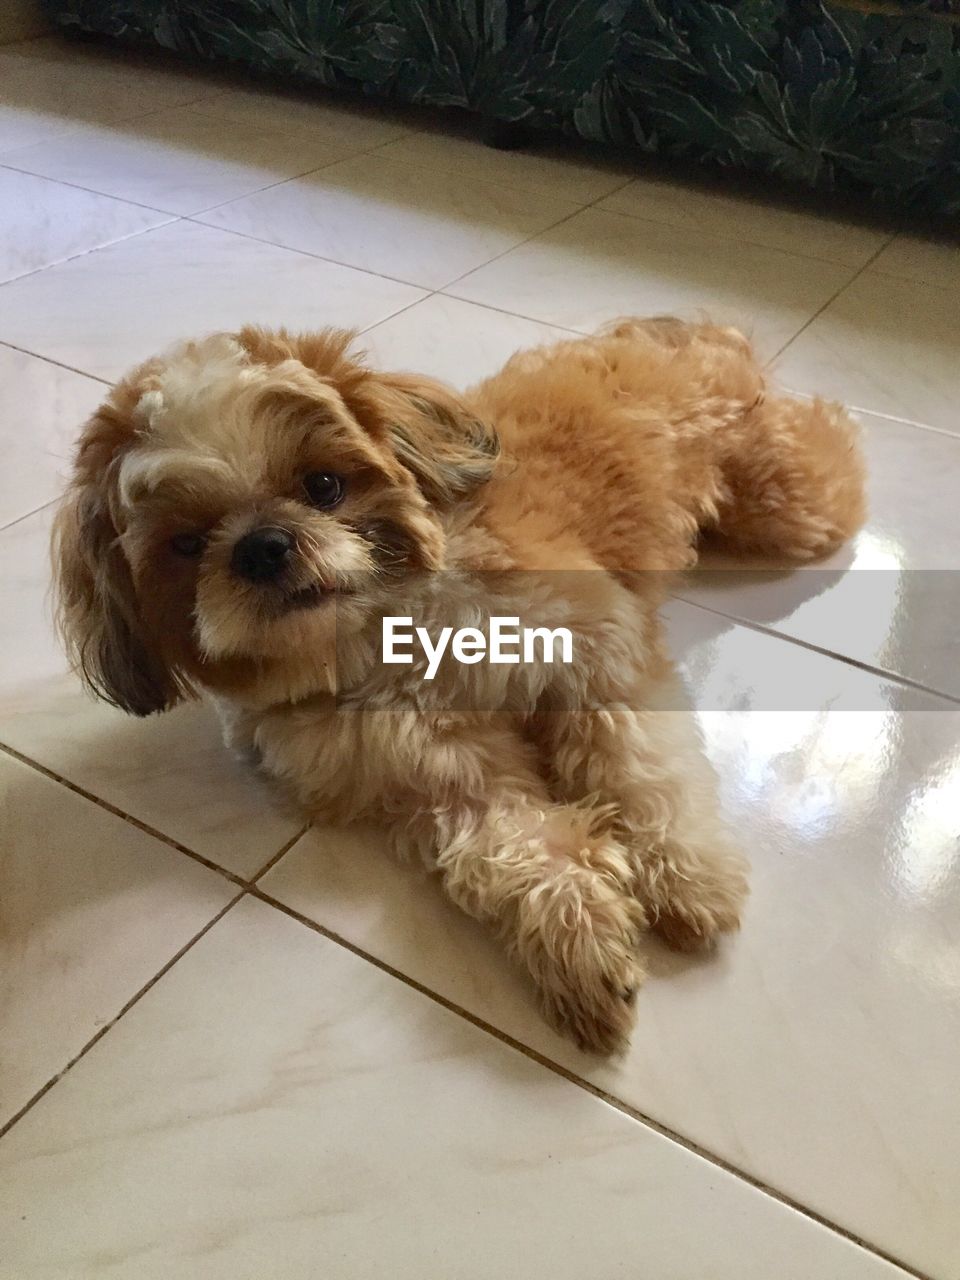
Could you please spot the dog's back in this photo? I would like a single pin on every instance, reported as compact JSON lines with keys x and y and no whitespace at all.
{"x":621,"y":448}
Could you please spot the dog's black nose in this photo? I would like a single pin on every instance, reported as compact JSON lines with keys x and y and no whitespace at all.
{"x":261,"y":554}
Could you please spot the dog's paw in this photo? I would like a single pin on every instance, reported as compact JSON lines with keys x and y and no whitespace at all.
{"x":705,"y":903}
{"x":580,"y":943}
{"x":597,"y":1022}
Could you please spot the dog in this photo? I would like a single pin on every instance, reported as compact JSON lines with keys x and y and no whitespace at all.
{"x":246,"y":509}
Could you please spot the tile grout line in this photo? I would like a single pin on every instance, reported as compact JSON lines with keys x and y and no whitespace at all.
{"x":768,"y":364}
{"x":526,"y":240}
{"x":282,"y":182}
{"x":534,"y":152}
{"x":242,"y":882}
{"x":195,"y":220}
{"x":413,"y":165}
{"x":446,"y":292}
{"x":51,"y":502}
{"x":171,"y":213}
{"x":914,"y":280}
{"x":407,"y":306}
{"x":305,"y":253}
{"x":892,"y":417}
{"x":169,"y":841}
{"x":281,"y":853}
{"x":171,"y":220}
{"x":59,"y":364}
{"x":89,"y":191}
{"x":431,"y":290}
{"x":108,"y":1026}
{"x":855,"y":409}
{"x":848,"y":660}
{"x":110,"y":122}
{"x":581,"y":1082}
{"x":723,"y":238}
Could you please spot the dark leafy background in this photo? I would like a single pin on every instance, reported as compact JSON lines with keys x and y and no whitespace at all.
{"x":844,"y":96}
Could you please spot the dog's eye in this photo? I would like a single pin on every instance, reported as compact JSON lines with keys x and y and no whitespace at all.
{"x":324,"y":489}
{"x":188,"y":544}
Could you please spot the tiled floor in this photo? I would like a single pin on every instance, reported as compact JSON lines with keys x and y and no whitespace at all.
{"x":289,"y":1056}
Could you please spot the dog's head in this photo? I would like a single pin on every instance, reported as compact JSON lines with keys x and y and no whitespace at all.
{"x":226,"y":495}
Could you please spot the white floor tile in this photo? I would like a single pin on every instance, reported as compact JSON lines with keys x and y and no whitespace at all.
{"x":740,"y":218}
{"x":105,"y":311}
{"x":409,"y":223}
{"x":839,"y":995}
{"x":171,"y":772}
{"x":891,"y":597}
{"x":41,"y":409}
{"x":570,"y":173}
{"x":453,"y":340}
{"x":315,"y":115}
{"x":45,"y":222}
{"x":599,"y":265}
{"x":51,"y":87}
{"x":935,"y":262}
{"x":289,"y":1106}
{"x":177,"y":160}
{"x":884,"y":344}
{"x":92,"y":908}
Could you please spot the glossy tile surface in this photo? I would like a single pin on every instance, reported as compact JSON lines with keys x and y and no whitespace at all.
{"x":840,"y":993}
{"x":170,"y":772}
{"x":105,"y":311}
{"x":92,"y":908}
{"x":51,"y":87}
{"x":311,"y":112}
{"x":793,"y":229}
{"x":572,"y":173}
{"x":41,"y":407}
{"x":890,"y":598}
{"x":598,"y":265}
{"x":271,"y":1090}
{"x":179,"y":160}
{"x":928,"y":261}
{"x":45,"y":222}
{"x":885,"y":344}
{"x":453,"y":340}
{"x":424,"y":227}
{"x":277,"y":1105}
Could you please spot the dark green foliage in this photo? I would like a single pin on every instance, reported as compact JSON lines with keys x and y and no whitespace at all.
{"x":818,"y":93}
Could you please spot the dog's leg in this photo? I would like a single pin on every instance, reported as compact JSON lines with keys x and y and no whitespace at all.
{"x":552,"y":885}
{"x":650,"y":765}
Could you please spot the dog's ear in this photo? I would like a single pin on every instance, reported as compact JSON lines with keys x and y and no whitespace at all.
{"x":97,"y":610}
{"x":447,"y":448}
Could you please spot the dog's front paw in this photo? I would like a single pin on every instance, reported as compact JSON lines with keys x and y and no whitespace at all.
{"x":705,"y":901}
{"x":597,"y":1021}
{"x":580,"y":943}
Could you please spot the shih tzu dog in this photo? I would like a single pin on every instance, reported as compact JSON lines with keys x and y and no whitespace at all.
{"x":248,"y":510}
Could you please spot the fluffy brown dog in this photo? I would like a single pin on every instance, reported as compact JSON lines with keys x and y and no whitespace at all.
{"x":244,"y":508}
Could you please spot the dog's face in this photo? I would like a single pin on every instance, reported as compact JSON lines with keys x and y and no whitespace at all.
{"x":232,"y":503}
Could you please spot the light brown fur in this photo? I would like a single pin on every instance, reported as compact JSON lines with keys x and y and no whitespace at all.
{"x":555,"y":801}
